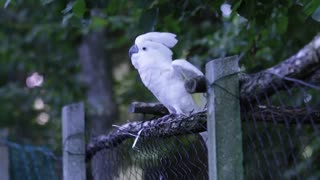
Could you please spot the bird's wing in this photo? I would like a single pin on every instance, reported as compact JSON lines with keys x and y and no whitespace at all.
{"x":185,"y":69}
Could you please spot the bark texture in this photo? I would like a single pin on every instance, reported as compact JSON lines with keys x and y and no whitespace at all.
{"x":301,"y":66}
{"x":148,"y":108}
{"x":165,"y":126}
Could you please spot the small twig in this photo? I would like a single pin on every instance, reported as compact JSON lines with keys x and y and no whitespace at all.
{"x":136,"y":140}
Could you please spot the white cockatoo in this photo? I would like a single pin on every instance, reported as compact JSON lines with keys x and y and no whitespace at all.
{"x":165,"y":78}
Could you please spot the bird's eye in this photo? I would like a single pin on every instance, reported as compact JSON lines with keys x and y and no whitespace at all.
{"x":144,"y":48}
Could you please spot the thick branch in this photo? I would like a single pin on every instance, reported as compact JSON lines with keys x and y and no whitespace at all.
{"x":299,"y":66}
{"x":166,"y":126}
{"x":148,"y":108}
{"x":176,"y":125}
{"x":315,"y":78}
{"x":304,"y":65}
{"x":266,"y":113}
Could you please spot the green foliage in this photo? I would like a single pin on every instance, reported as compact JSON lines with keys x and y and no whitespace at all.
{"x":43,"y":36}
{"x":34,"y":41}
{"x":316,"y":14}
{"x":78,"y":8}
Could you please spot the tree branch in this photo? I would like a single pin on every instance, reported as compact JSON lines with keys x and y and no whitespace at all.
{"x":165,"y":126}
{"x":299,"y":66}
{"x":261,"y":113}
{"x":170,"y":125}
{"x":304,"y":65}
{"x":148,"y":108}
{"x":315,"y":78}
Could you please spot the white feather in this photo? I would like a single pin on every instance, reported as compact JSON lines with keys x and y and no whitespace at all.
{"x":186,"y":69}
{"x":162,"y":76}
{"x":165,"y":38}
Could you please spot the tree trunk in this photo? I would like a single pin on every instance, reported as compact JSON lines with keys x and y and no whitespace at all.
{"x":102,"y":111}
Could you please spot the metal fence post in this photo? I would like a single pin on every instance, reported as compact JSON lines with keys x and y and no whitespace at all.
{"x":4,"y":155}
{"x":224,"y":123}
{"x":73,"y":136}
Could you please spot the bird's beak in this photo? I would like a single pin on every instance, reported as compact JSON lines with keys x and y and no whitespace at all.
{"x":133,"y":49}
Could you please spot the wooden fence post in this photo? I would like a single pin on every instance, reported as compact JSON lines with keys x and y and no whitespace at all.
{"x":224,"y":124}
{"x":73,"y":136}
{"x":4,"y":155}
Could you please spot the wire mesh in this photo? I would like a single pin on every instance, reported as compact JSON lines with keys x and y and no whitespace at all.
{"x":175,"y":157}
{"x":32,"y":162}
{"x":281,"y":137}
{"x":281,"y":140}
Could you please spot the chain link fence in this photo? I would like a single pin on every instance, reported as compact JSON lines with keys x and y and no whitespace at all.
{"x":32,"y":162}
{"x":134,"y":155}
{"x":280,"y":132}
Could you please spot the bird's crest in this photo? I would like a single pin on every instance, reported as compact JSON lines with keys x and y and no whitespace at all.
{"x":165,"y":38}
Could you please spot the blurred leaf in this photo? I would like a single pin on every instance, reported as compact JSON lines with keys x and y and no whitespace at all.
{"x":311,"y":6}
{"x":66,"y":19}
{"x":171,"y":24}
{"x":247,"y":9}
{"x":98,"y":23}
{"x":79,"y":8}
{"x":45,"y":2}
{"x":68,"y":8}
{"x":6,"y":4}
{"x":282,"y":24}
{"x":217,"y":3}
{"x":316,"y":14}
{"x":148,"y":19}
{"x":235,"y":6}
{"x":144,"y":3}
